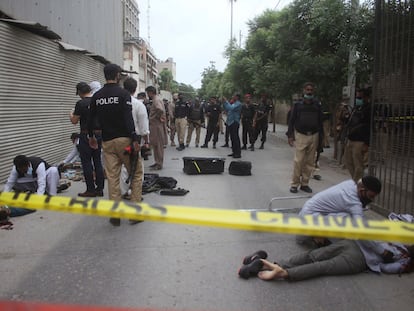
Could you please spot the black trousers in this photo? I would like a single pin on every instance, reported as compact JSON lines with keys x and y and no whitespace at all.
{"x":212,"y":129}
{"x":261,"y":127}
{"x":247,"y":131}
{"x":235,"y":138}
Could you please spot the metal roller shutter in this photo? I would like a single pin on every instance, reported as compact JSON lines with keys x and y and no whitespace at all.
{"x":37,"y":91}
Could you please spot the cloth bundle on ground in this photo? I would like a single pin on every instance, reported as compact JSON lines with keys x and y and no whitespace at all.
{"x":165,"y":185}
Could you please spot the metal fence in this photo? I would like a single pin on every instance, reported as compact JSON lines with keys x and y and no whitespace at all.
{"x":392,"y":148}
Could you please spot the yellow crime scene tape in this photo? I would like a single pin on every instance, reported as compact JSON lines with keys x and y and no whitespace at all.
{"x":266,"y":221}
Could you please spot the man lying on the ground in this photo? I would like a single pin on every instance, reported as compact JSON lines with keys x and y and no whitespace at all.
{"x":340,"y":258}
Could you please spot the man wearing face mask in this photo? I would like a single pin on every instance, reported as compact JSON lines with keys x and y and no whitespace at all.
{"x":34,"y":175}
{"x":304,"y":131}
{"x":348,"y":198}
{"x":358,"y":134}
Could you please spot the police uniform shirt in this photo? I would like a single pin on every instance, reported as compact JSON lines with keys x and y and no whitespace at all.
{"x":213,"y":112}
{"x":82,"y":110}
{"x":112,"y":107}
{"x":181,"y":109}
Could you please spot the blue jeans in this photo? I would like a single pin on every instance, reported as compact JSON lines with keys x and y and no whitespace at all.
{"x":91,"y":162}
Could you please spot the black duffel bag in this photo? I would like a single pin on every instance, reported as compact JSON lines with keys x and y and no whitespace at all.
{"x":240,"y":168}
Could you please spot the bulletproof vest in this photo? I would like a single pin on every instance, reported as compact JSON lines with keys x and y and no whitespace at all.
{"x":308,"y":117}
{"x":195,"y":113}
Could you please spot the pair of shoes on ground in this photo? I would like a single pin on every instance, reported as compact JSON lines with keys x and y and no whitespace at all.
{"x":317,"y":177}
{"x":90,"y":194}
{"x":155,"y":167}
{"x":116,"y":222}
{"x":252,"y":264}
{"x":303,"y":188}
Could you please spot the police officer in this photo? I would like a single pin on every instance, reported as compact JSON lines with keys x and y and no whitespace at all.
{"x":358,"y":130}
{"x":213,"y":113}
{"x":304,"y":132}
{"x":181,"y":113}
{"x":247,"y":114}
{"x":112,"y":108}
{"x":260,"y":120}
{"x":88,"y":155}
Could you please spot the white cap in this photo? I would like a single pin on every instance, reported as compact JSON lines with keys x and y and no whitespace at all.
{"x":95,"y":86}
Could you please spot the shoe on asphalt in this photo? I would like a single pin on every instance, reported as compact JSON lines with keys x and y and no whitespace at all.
{"x":261,"y":146}
{"x":317,"y":177}
{"x":99,"y":193}
{"x":173,"y":144}
{"x":225,"y":145}
{"x":156,"y":168}
{"x":244,"y":147}
{"x":187,"y":145}
{"x":306,"y":189}
{"x":293,"y":189}
{"x":116,"y":222}
{"x":204,"y":146}
{"x":259,"y":254}
{"x":196,"y":145}
{"x":251,"y":147}
{"x":180,"y":148}
{"x":87,"y":194}
{"x":214,"y":146}
{"x":62,"y":187}
{"x":126,"y":196}
{"x":237,"y":156}
{"x":252,"y":269}
{"x":230,"y":155}
{"x":134,"y":221}
{"x":153,"y":165}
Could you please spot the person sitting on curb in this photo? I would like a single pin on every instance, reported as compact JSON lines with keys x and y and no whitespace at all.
{"x":343,"y":257}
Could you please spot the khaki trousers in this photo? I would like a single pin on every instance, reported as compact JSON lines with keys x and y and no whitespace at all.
{"x":326,"y":132}
{"x":355,"y":159}
{"x":113,"y":151}
{"x":180,"y":128}
{"x":304,"y":160}
{"x":191,"y":127}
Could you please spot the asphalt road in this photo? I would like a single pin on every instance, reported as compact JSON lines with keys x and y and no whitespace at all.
{"x":73,"y":259}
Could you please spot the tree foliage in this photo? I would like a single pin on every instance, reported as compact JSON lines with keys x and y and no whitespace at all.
{"x":306,"y":41}
{"x":166,"y":81}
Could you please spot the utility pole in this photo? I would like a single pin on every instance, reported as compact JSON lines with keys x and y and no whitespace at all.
{"x":231,"y":28}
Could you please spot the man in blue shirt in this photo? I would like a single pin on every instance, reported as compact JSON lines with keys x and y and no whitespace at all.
{"x":233,"y":109}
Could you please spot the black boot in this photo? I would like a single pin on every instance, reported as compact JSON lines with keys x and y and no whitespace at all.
{"x":204,"y":146}
{"x":262,"y":146}
{"x":181,"y":147}
{"x":251,"y":147}
{"x":244,"y":147}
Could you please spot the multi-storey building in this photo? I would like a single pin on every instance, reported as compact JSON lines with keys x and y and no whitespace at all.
{"x":170,"y":65}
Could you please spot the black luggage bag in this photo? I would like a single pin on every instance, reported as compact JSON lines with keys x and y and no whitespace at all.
{"x":200,"y":165}
{"x":240,"y":168}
